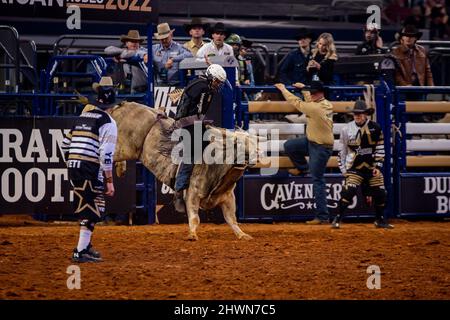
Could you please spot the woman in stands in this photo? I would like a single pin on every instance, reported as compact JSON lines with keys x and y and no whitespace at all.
{"x":323,"y":57}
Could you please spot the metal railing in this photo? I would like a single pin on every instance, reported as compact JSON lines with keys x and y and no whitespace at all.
{"x":17,"y":55}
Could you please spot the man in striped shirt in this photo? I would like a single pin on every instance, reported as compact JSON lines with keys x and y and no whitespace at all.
{"x":89,"y":150}
{"x":360,"y":160}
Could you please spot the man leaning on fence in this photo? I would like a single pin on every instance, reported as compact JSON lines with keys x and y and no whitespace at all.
{"x":133,"y":57}
{"x":167,"y":56}
{"x":318,"y":143}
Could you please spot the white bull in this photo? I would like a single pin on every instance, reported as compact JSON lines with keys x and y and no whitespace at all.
{"x":141,"y":136}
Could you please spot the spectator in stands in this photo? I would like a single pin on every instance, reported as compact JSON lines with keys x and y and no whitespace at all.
{"x":396,"y":12}
{"x":439,"y":29}
{"x":373,"y":43}
{"x":437,"y":5}
{"x":217,"y":47}
{"x":318,"y":143}
{"x":413,"y":67}
{"x":245,"y":70}
{"x":235,"y":42}
{"x":417,"y":18}
{"x":321,"y":64}
{"x":293,"y":67}
{"x":167,"y":56}
{"x":132,"y":56}
{"x":196,"y":29}
{"x":243,"y":54}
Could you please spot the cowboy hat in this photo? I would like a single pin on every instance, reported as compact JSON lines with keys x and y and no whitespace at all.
{"x":104,"y":82}
{"x":361,"y":107}
{"x":133,"y":35}
{"x":219,"y":27}
{"x":410,"y":31}
{"x":106,"y":95}
{"x":163,"y":31}
{"x":195,"y":22}
{"x":314,"y":87}
{"x":304,"y":33}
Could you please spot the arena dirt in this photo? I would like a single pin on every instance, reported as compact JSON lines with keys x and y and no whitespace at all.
{"x":284,"y":261}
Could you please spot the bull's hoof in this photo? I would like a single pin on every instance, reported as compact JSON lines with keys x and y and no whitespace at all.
{"x":245,"y":237}
{"x":192,"y":237}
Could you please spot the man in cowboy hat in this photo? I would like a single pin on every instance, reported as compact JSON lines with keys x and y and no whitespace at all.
{"x":360,"y":160}
{"x":134,"y":57}
{"x":167,"y":56}
{"x":373,"y":43}
{"x":413,"y":67}
{"x":196,"y":29}
{"x":89,"y":151}
{"x":217,"y":47}
{"x":318,"y":143}
{"x":293,"y":67}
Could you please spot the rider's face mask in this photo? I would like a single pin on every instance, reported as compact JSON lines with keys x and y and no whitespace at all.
{"x":217,"y":85}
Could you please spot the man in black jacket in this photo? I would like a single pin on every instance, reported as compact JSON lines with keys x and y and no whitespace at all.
{"x":373,"y":43}
{"x":194,"y":104}
{"x":293,"y":67}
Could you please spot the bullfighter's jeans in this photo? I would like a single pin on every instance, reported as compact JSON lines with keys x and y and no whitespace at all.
{"x":297,"y":149}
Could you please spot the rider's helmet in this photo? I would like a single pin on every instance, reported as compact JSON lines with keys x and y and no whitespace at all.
{"x":216,"y":72}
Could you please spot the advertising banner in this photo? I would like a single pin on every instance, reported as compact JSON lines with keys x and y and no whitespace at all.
{"x":33,"y":174}
{"x":284,"y":198}
{"x":425,"y":194}
{"x":133,"y":11}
